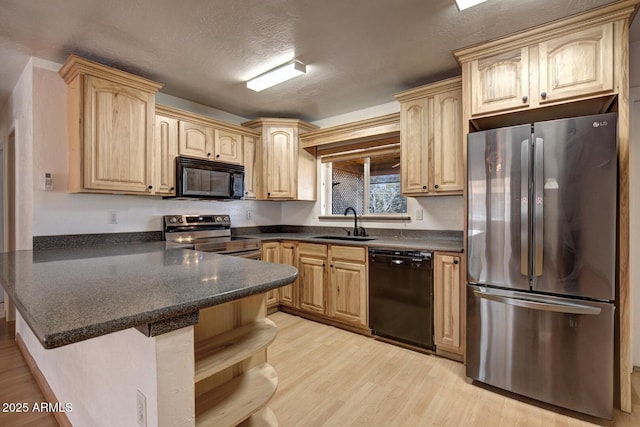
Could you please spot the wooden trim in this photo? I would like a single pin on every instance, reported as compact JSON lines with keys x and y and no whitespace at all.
{"x":430,"y":89}
{"x":382,"y":127}
{"x":362,"y":153}
{"x":41,"y":381}
{"x":321,"y":318}
{"x":302,"y":126}
{"x":75,"y":65}
{"x":621,"y":64}
{"x":610,"y":13}
{"x":176,"y":113}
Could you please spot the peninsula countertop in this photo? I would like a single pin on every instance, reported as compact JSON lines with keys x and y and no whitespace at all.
{"x":69,"y":295}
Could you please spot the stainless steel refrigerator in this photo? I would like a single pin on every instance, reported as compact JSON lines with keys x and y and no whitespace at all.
{"x":541,"y":259}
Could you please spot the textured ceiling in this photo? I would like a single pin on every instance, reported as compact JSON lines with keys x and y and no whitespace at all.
{"x":358,"y":53}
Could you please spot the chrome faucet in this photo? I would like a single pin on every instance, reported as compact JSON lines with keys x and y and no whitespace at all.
{"x":356,"y":231}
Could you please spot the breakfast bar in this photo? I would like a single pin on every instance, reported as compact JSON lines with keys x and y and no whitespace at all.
{"x":142,"y":335}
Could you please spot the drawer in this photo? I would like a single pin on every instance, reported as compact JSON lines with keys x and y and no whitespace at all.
{"x":350,"y":253}
{"x":312,"y":249}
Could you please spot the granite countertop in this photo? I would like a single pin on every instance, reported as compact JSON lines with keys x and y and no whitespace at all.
{"x":430,"y":244}
{"x":69,"y":295}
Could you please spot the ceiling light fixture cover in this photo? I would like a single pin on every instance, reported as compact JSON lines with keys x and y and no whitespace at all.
{"x":465,"y":4}
{"x":277,"y":75}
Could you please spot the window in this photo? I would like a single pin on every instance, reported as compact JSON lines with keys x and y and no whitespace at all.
{"x":365,"y":179}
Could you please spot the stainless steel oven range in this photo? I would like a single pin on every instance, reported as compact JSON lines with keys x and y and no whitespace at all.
{"x":207,"y":233}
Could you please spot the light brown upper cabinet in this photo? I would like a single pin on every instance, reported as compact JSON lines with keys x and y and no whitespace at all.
{"x":431,"y":139}
{"x":528,"y":73}
{"x":288,"y":171}
{"x":196,"y":140}
{"x":251,"y":167}
{"x":166,"y":144}
{"x":111,"y":120}
{"x":227,"y":146}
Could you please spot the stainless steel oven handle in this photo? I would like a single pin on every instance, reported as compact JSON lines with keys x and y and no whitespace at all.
{"x":538,"y":305}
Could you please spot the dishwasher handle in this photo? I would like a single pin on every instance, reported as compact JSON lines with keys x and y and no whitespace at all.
{"x":397,"y":261}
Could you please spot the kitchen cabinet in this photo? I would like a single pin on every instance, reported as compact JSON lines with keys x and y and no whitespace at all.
{"x":111,"y":120}
{"x":312,"y":270}
{"x":227,"y":146}
{"x":529,"y":73}
{"x":348,"y":285}
{"x":287,"y":171}
{"x":196,"y":140}
{"x":251,"y":166}
{"x":448,"y":312}
{"x":271,"y":253}
{"x":166,"y":144}
{"x":431,"y":140}
{"x":289,"y":256}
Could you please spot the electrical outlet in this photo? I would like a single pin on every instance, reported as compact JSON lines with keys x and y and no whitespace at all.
{"x":419,"y":214}
{"x":249,"y":214}
{"x":113,"y":217}
{"x":141,"y":412}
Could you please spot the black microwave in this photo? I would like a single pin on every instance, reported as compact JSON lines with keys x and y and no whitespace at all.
{"x":206,"y":179}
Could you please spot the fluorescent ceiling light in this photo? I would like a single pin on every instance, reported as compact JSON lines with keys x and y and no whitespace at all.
{"x":277,"y":75}
{"x":465,"y":4}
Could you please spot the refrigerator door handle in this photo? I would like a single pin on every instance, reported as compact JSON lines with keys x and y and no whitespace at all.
{"x":539,"y":305}
{"x":538,"y":207}
{"x":525,"y":146}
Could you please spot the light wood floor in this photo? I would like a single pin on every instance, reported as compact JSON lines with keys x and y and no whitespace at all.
{"x":17,"y":384}
{"x":330,"y":377}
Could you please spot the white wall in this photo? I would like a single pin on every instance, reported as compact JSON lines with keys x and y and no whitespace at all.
{"x":100,"y":377}
{"x":634,"y":197}
{"x":57,"y":212}
{"x":19,"y":116}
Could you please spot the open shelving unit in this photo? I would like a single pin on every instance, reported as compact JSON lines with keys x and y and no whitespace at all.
{"x":233,"y":380}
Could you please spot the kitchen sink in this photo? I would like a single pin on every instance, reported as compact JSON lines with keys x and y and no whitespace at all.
{"x":350,"y":238}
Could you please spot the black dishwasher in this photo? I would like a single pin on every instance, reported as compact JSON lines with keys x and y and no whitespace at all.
{"x":401,"y":295}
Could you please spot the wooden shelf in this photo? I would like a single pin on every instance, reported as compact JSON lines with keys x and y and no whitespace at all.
{"x":263,"y":418}
{"x":236,"y":400}
{"x":224,"y":350}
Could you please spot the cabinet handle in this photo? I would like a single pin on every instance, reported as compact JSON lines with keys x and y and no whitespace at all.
{"x":246,"y":192}
{"x":455,"y":261}
{"x":150,"y":187}
{"x":172,"y":189}
{"x":217,"y":156}
{"x":331,"y":265}
{"x":525,"y":98}
{"x":268,"y":194}
{"x":543,"y":94}
{"x":424,"y":187}
{"x":323,"y":265}
{"x":208,"y":154}
{"x":436,"y":186}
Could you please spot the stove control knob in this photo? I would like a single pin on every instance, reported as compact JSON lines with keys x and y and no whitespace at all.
{"x":172,"y":220}
{"x":180,"y":220}
{"x":226,"y":219}
{"x":218,"y":219}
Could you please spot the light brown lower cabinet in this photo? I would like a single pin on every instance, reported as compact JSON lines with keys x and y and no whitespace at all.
{"x":289,"y":256}
{"x":312,"y":270}
{"x":271,"y":253}
{"x":348,"y":285}
{"x":448,"y":303}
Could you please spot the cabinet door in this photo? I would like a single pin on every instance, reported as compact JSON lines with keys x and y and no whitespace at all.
{"x":348,"y":290}
{"x":577,"y":64}
{"x":195,"y":140}
{"x":312,"y":284}
{"x":288,"y":256}
{"x":250,"y":167}
{"x":118,"y":137}
{"x":448,"y":321}
{"x":447,"y":142}
{"x":227,"y":146}
{"x":414,"y":146}
{"x":166,"y":150}
{"x":500,"y":82}
{"x":271,"y":253}
{"x":281,"y":157}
